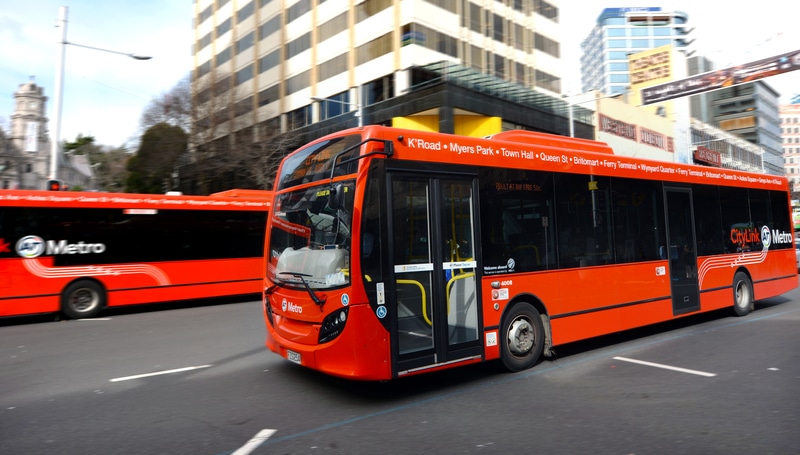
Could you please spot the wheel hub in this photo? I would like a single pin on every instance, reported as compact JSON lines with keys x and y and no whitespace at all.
{"x":520,"y":337}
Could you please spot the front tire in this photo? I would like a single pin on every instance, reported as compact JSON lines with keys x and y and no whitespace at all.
{"x":83,"y":299}
{"x":521,"y":337}
{"x":742,"y":294}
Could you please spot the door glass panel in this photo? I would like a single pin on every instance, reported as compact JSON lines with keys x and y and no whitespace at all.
{"x":681,"y":252}
{"x":413,"y":265}
{"x":459,"y":262}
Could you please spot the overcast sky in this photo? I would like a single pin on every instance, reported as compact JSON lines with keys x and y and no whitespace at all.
{"x":104,"y":94}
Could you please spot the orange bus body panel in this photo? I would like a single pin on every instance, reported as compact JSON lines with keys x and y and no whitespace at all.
{"x":35,"y":285}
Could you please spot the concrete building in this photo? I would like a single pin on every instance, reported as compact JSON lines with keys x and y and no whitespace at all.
{"x":790,"y":135}
{"x":620,"y":32}
{"x":25,"y":152}
{"x":750,"y":111}
{"x":25,"y":160}
{"x":456,"y":66}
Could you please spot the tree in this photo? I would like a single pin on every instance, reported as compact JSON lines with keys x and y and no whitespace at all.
{"x":227,"y":148}
{"x":108,"y":163}
{"x":173,"y":107}
{"x":152,"y":167}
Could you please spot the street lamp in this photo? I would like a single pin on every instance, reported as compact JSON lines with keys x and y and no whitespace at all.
{"x":59,"y":85}
{"x":359,"y":110}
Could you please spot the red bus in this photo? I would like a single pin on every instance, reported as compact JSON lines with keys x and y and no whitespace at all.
{"x":79,"y":252}
{"x":393,"y":252}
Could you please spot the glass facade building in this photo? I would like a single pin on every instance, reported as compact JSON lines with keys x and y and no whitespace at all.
{"x":620,"y":32}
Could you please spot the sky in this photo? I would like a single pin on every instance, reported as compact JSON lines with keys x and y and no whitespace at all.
{"x":105,"y":94}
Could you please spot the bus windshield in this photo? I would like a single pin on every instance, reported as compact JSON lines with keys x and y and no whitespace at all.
{"x":310,"y":241}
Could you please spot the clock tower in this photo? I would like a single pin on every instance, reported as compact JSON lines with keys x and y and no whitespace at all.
{"x":26,"y":166}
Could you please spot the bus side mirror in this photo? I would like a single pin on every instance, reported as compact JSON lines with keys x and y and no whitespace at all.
{"x":336,"y":197}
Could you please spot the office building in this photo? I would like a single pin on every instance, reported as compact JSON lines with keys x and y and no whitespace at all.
{"x":790,"y":136}
{"x":458,"y":66}
{"x":620,"y":32}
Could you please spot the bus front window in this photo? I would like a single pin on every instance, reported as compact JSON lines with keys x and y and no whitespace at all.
{"x":310,"y":241}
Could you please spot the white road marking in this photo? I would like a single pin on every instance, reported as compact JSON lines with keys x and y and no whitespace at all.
{"x":666,"y":367}
{"x":253,"y":443}
{"x":94,"y":319}
{"x":158,"y":373}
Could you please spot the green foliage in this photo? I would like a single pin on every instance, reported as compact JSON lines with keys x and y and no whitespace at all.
{"x":152,"y":166}
{"x":78,"y":147}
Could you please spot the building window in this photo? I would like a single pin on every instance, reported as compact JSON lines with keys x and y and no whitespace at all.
{"x":298,"y":82}
{"x":297,"y":10}
{"x":335,"y":105}
{"x":244,"y":74}
{"x":224,"y":27}
{"x":374,"y":49}
{"x":269,"y":95}
{"x":332,"y":67}
{"x":298,"y":45}
{"x":245,"y":12}
{"x":299,"y":118}
{"x":245,"y":42}
{"x":224,"y":56}
{"x":333,"y":27}
{"x":547,"y":45}
{"x":269,"y":27}
{"x":370,"y":8}
{"x":269,"y":61}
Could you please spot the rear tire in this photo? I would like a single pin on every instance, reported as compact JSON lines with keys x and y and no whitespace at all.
{"x":83,"y":299}
{"x":742,"y":294}
{"x":521,"y":337}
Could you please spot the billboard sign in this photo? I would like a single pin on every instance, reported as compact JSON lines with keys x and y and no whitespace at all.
{"x":718,"y":79}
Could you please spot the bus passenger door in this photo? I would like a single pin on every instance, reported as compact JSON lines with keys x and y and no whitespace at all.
{"x":681,"y":251}
{"x":435,"y":295}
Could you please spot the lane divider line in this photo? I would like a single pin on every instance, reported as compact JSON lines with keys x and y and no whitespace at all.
{"x":254,"y":442}
{"x":666,"y":367}
{"x":158,"y":373}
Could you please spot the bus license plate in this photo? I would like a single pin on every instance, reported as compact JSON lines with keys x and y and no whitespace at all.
{"x":293,"y":356}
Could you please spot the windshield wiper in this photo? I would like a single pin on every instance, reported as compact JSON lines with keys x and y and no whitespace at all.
{"x":300,"y":276}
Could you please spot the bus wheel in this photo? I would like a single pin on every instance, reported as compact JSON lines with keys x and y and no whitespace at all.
{"x":522,"y":337}
{"x":83,"y":299}
{"x":742,"y":294}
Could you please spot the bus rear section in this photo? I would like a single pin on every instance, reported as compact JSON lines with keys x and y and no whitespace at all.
{"x":77,"y":253}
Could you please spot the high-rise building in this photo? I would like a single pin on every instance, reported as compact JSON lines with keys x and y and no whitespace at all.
{"x":790,"y":135}
{"x":620,"y":32}
{"x":285,"y":64}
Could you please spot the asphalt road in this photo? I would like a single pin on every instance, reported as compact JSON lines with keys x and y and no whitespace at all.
{"x":714,"y":384}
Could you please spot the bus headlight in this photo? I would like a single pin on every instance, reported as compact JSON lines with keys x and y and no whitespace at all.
{"x":332,"y":325}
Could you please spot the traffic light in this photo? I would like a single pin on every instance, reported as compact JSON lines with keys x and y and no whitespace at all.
{"x":55,"y":185}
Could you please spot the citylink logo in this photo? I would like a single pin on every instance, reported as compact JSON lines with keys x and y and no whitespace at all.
{"x":33,"y":246}
{"x":30,"y":246}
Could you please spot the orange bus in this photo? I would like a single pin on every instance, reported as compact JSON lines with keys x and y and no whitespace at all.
{"x":79,"y":252}
{"x":393,"y":252}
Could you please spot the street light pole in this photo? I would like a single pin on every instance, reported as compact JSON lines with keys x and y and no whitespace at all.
{"x":59,"y":85}
{"x":59,"y":88}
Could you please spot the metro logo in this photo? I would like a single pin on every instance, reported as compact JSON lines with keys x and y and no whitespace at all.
{"x":33,"y":246}
{"x":62,"y":247}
